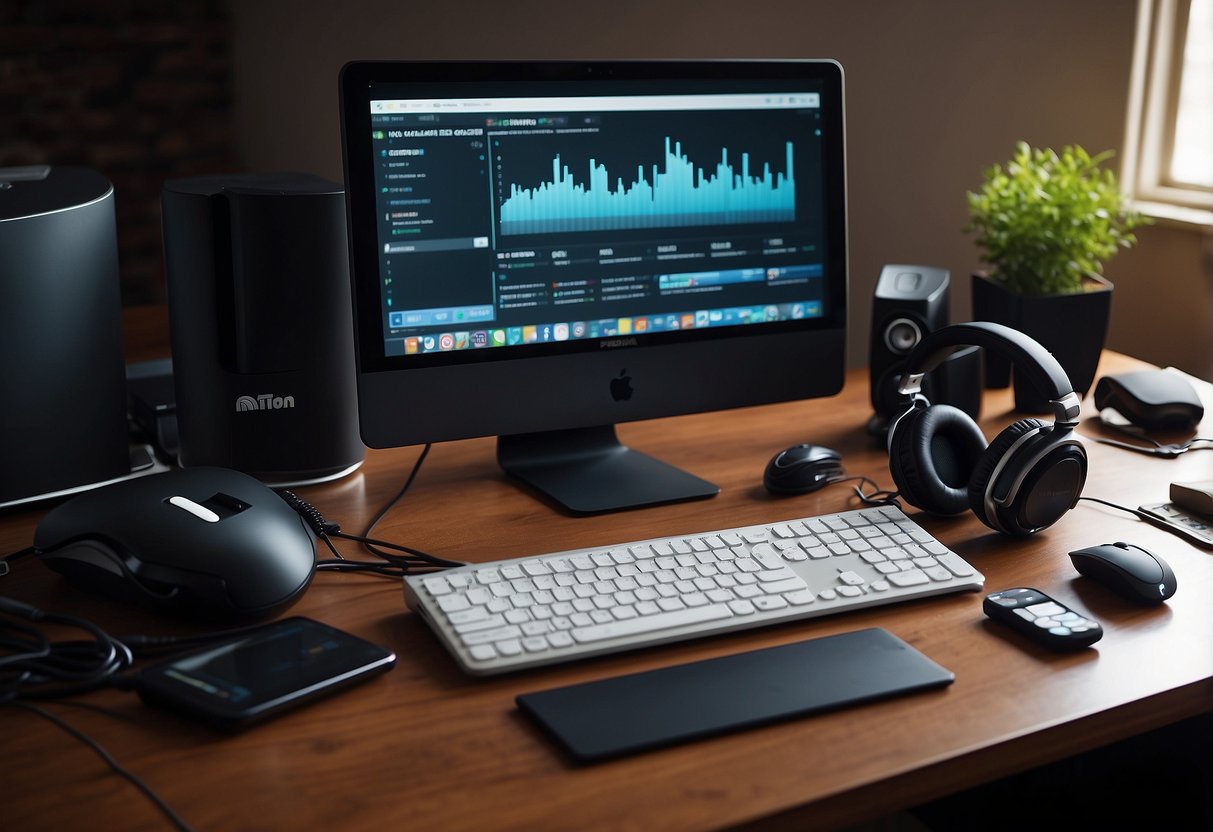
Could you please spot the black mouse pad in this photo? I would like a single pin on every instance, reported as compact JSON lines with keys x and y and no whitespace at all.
{"x":612,"y":717}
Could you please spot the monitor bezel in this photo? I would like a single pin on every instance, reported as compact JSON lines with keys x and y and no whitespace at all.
{"x":513,"y":389}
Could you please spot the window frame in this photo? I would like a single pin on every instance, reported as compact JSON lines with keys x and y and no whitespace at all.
{"x":1157,"y":74}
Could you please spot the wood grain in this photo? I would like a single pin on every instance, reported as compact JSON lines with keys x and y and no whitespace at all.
{"x":428,"y":747}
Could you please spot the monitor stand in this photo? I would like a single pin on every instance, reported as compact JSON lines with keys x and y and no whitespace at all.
{"x":588,"y":471}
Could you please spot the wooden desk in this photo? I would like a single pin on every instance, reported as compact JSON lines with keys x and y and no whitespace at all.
{"x":426,"y":747}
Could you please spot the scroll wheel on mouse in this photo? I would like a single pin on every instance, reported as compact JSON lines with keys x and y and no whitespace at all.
{"x":199,"y":511}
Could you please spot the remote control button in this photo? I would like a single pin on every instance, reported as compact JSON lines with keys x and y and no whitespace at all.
{"x":1047,"y":608}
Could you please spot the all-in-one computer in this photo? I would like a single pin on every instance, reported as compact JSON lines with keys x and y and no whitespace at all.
{"x":540,"y":251}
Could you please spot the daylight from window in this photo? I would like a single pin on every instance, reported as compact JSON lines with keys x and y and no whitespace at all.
{"x":1192,"y":157}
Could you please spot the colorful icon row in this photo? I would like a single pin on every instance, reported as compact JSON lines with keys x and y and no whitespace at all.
{"x":608,"y":327}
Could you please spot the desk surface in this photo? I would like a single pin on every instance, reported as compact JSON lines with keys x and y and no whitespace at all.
{"x":428,"y":747}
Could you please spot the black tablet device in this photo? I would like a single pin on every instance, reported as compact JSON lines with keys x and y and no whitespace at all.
{"x":612,"y":717}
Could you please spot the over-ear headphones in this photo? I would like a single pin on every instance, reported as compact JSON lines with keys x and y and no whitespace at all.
{"x":1027,"y":478}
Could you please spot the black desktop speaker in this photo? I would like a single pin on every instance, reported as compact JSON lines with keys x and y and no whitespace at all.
{"x":910,"y":303}
{"x":63,"y":422}
{"x":259,"y":304}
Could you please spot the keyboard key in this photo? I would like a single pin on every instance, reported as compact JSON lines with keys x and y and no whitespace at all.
{"x":486,"y":636}
{"x":453,"y":603}
{"x":437,"y":586}
{"x":851,"y":578}
{"x":955,"y":565}
{"x":769,"y":602}
{"x":483,"y":652}
{"x":767,"y":555}
{"x":651,"y":623}
{"x":788,"y":585}
{"x":468,"y":615}
{"x":489,"y":623}
{"x":913,"y":577}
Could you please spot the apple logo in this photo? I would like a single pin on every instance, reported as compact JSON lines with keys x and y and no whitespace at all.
{"x":621,"y":386}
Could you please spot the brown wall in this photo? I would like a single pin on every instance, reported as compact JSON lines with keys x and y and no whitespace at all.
{"x":138,"y":90}
{"x":936,"y":92}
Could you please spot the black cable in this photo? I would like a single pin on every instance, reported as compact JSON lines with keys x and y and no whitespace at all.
{"x":109,"y":760}
{"x":1135,"y":512}
{"x":404,"y":489}
{"x":346,"y":565}
{"x":1156,"y":448}
{"x":396,"y":565}
{"x":425,"y":558}
{"x":33,"y":667}
{"x":876,"y":497}
{"x":38,"y":669}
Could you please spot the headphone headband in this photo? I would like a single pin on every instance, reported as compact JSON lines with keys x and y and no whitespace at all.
{"x":1027,"y":355}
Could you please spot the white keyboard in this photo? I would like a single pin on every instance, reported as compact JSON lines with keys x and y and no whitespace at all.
{"x":511,"y":614}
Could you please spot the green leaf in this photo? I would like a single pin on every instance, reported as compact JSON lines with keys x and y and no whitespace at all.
{"x":1047,"y":220}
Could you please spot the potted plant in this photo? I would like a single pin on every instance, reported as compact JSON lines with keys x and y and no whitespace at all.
{"x":1046,"y":223}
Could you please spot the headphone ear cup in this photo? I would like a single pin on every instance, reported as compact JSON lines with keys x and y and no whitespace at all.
{"x":932,"y":456}
{"x":984,"y":470}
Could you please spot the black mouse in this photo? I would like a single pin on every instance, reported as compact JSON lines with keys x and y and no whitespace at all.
{"x":209,"y":541}
{"x":1128,"y":570}
{"x":801,"y":469}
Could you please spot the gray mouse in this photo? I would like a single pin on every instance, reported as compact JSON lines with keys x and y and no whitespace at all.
{"x":203,"y":540}
{"x":1128,"y":570}
{"x":801,"y":469}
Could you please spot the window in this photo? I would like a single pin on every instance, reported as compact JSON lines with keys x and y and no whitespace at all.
{"x":1168,"y":160}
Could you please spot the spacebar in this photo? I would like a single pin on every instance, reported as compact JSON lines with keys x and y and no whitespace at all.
{"x":649,"y":623}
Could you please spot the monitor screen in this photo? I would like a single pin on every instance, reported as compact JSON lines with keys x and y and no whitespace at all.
{"x":540,"y":251}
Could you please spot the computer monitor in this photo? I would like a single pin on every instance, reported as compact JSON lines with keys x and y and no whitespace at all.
{"x":542,"y":250}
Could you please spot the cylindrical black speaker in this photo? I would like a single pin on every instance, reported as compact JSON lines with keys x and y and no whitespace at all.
{"x":259,"y":304}
{"x":910,"y":302}
{"x":63,"y":424}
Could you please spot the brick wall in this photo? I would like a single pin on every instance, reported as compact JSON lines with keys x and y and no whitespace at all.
{"x":140,"y":91}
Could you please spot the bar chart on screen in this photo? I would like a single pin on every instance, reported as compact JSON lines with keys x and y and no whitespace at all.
{"x":587,"y":196}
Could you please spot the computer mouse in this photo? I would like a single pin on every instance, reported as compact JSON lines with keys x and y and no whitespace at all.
{"x":1128,"y":570}
{"x":801,"y":469}
{"x":207,"y":541}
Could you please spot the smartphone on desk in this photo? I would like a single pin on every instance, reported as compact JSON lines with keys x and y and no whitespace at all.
{"x":261,"y":673}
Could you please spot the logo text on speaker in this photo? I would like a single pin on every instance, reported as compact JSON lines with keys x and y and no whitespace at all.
{"x":265,"y":401}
